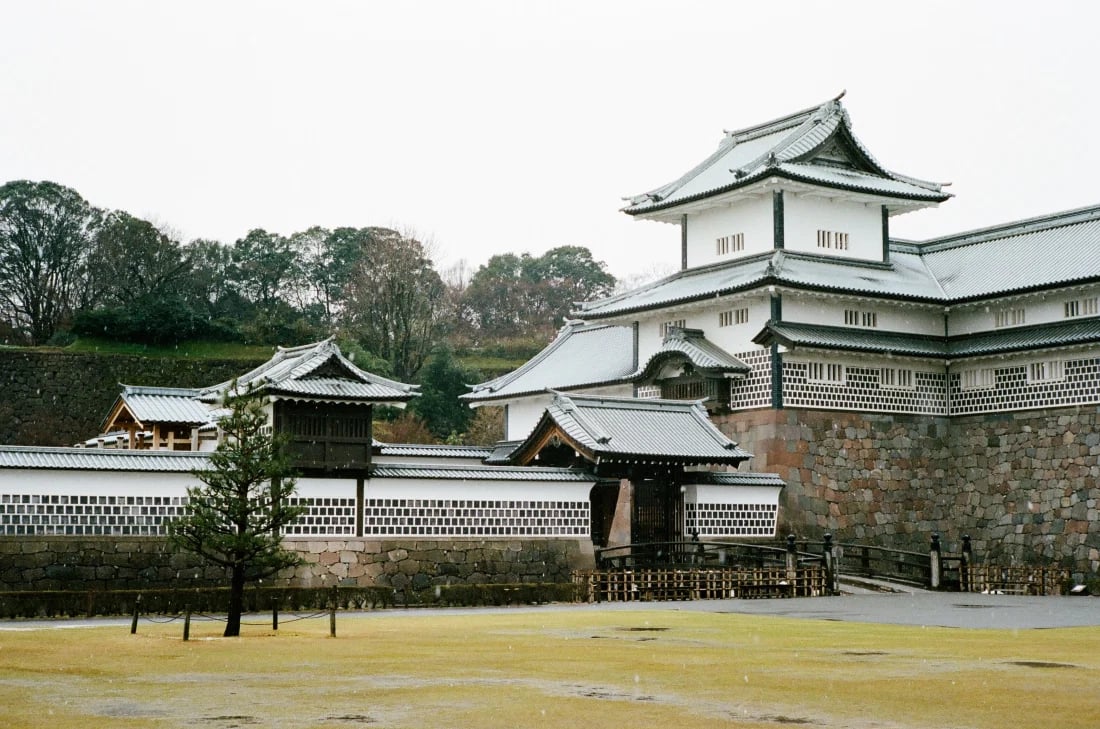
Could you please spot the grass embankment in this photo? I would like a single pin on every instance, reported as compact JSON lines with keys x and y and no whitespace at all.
{"x":195,"y":349}
{"x":552,"y":669}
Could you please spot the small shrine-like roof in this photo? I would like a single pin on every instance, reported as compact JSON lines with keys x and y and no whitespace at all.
{"x":148,"y":405}
{"x":629,"y":430}
{"x":704,"y":355}
{"x":316,"y":371}
{"x":815,"y":145}
{"x":582,"y":355}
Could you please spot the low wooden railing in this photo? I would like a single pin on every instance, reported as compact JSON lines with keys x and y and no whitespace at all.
{"x":626,"y":585}
{"x":1017,"y":580}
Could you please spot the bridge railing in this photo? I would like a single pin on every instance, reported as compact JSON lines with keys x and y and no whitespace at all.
{"x":698,"y":554}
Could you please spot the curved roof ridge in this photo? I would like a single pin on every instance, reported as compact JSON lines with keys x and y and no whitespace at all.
{"x":728,"y":142}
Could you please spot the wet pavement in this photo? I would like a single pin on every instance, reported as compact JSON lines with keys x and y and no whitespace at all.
{"x":940,"y":609}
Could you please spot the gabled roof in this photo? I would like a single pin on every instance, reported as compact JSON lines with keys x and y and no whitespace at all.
{"x":148,"y":405}
{"x":629,"y":430}
{"x":707,"y":357}
{"x":582,"y":355}
{"x":815,"y":145}
{"x":316,"y":371}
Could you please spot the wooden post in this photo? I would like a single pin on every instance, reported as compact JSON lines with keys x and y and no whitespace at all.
{"x":275,"y":613}
{"x":831,"y":584}
{"x":332,"y":614}
{"x":137,"y":607}
{"x":792,"y":565}
{"x":935,"y":564}
{"x":186,"y":623}
{"x":964,"y":564}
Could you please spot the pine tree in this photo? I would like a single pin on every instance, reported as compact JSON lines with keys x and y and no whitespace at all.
{"x":236,"y":517}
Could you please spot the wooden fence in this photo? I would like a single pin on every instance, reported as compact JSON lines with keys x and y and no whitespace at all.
{"x":1018,"y":580}
{"x":626,"y":585}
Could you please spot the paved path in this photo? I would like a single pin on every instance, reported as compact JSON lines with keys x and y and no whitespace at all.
{"x":946,"y":609}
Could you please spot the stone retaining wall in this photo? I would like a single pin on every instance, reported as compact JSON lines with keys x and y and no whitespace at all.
{"x":1025,"y":486}
{"x":60,"y":398}
{"x":79,"y":563}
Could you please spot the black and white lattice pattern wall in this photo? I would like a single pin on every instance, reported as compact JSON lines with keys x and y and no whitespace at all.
{"x":323,"y":517}
{"x":1011,"y":390}
{"x":862,"y":389}
{"x":475,"y":517}
{"x":755,"y":391}
{"x":62,"y":514}
{"x":730,"y":520}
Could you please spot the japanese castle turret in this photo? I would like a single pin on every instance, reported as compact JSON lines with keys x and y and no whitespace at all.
{"x":900,"y":388}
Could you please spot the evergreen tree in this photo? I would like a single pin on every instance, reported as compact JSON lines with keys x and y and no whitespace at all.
{"x":442,"y":381}
{"x":235,"y":519}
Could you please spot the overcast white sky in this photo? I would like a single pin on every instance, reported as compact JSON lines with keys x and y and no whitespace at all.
{"x":518,"y":126}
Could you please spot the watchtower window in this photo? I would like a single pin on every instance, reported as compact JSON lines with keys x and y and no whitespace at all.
{"x":727,"y":244}
{"x":666,"y":325}
{"x":834,"y":239}
{"x":1011,"y":317}
{"x":857,"y":318}
{"x":733,"y":316}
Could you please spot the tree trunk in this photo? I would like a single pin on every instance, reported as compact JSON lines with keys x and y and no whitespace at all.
{"x":236,"y":603}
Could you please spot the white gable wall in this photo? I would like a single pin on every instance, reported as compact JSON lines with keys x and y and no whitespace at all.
{"x":524,"y":412}
{"x":804,"y":216}
{"x":751,"y":219}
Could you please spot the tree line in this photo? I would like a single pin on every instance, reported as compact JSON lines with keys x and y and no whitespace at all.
{"x":69,"y":269}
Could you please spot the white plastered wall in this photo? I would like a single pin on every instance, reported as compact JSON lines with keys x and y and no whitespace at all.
{"x":751,"y":218}
{"x":804,"y":216}
{"x":524,"y":412}
{"x":1047,"y":308}
{"x":829,"y":311}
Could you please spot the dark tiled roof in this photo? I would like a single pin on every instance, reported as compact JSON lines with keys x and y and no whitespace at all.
{"x":858,"y":340}
{"x":1044,"y":336}
{"x":634,"y":430}
{"x":700,"y":351}
{"x":317,"y":371}
{"x":737,"y":478}
{"x":96,"y":459}
{"x":478,"y":473}
{"x":439,"y":451}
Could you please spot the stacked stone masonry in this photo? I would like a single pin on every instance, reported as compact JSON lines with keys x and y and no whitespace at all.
{"x":81,"y":564}
{"x":1025,"y":486}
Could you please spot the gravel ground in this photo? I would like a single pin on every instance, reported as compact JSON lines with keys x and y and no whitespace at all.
{"x":941,"y":609}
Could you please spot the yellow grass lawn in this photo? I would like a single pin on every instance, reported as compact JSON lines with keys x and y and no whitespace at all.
{"x":551,"y":669}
